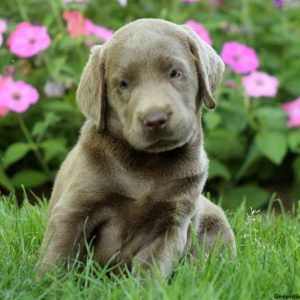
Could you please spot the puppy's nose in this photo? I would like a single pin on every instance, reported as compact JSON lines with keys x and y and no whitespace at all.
{"x":156,"y":121}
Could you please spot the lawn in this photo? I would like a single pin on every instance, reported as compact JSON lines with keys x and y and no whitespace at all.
{"x":268,"y":263}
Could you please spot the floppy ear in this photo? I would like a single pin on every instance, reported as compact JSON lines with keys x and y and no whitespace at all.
{"x":91,"y":92}
{"x":210,"y":66}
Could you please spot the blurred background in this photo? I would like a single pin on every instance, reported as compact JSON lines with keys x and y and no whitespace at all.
{"x":252,"y":137}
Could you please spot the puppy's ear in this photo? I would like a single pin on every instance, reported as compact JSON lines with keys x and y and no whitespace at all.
{"x":210,"y":66}
{"x":91,"y":92}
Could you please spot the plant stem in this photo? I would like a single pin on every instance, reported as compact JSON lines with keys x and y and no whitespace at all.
{"x":35,"y":149}
{"x":249,"y":113}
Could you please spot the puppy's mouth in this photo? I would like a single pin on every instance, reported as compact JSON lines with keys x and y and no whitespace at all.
{"x":167,"y":144}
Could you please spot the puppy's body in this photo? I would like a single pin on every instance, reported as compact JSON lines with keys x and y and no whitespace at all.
{"x":134,"y":189}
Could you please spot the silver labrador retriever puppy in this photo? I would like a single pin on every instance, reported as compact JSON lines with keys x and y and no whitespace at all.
{"x":132,"y":184}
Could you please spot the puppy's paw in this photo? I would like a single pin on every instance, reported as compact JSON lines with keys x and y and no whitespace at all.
{"x":214,"y":228}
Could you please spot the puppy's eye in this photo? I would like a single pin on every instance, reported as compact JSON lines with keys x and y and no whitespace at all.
{"x":124,"y":84}
{"x":175,"y":74}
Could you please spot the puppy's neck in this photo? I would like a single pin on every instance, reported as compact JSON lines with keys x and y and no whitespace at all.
{"x":109,"y":144}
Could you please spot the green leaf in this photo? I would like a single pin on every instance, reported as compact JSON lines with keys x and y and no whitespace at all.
{"x":254,"y":196}
{"x":292,"y":85}
{"x":53,"y":148}
{"x":4,"y":181}
{"x":224,"y":144}
{"x":251,"y":157}
{"x":217,"y":169}
{"x":28,"y":178}
{"x":294,"y":141}
{"x":272,"y":145}
{"x":271,"y":118}
{"x":211,"y":120}
{"x":14,"y":153}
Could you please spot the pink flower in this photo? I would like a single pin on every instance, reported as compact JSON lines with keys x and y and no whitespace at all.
{"x":241,"y":58}
{"x":17,"y":96}
{"x":77,"y":26}
{"x":28,"y":40}
{"x":200,"y":30}
{"x":75,"y":23}
{"x":3,"y":26}
{"x":292,"y":109}
{"x":260,"y":84}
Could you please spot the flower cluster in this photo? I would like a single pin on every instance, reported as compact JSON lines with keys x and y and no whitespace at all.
{"x":28,"y":40}
{"x":243,"y":60}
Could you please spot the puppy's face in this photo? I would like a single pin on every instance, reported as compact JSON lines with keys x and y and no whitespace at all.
{"x":152,"y":87}
{"x":151,"y":77}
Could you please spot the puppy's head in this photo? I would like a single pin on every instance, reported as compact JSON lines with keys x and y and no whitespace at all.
{"x":150,"y":79}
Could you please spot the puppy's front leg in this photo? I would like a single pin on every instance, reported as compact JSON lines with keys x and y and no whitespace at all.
{"x":64,"y":237}
{"x":164,"y":251}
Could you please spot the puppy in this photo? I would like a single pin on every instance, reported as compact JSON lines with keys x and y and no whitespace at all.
{"x":132,"y":184}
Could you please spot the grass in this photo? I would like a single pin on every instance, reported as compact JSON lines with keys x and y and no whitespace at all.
{"x":268,"y":263}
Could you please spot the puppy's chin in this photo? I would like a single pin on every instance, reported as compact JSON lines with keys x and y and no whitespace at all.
{"x":164,"y":145}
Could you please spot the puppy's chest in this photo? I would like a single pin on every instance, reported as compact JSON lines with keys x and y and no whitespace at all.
{"x":139,"y":209}
{"x":143,"y":190}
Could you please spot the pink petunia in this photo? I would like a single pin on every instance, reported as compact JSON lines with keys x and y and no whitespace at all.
{"x":200,"y":30}
{"x":241,"y":58}
{"x":17,"y":96}
{"x":77,"y":26}
{"x":3,"y":26}
{"x":28,"y":40}
{"x":260,"y":84}
{"x":292,"y":109}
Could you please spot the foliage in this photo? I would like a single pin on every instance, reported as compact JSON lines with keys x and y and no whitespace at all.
{"x":252,"y":150}
{"x":268,"y":263}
